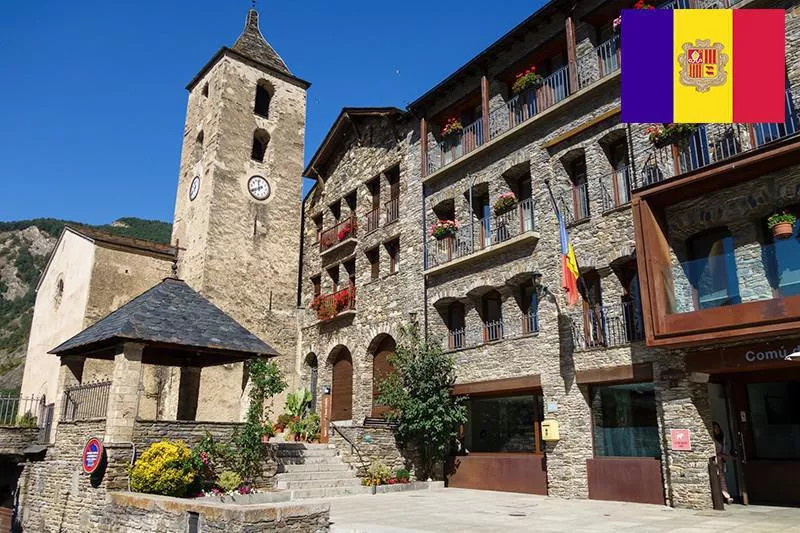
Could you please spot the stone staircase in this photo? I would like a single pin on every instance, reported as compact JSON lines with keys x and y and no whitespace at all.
{"x":314,"y":471}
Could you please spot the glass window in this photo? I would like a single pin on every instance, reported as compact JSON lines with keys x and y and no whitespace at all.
{"x":787,"y":259}
{"x":712,"y":269}
{"x":503,"y":424}
{"x":775,"y":419}
{"x":625,"y":421}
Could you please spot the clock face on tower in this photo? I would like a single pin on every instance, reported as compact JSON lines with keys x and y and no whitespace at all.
{"x":194,"y":188}
{"x":258,"y":187}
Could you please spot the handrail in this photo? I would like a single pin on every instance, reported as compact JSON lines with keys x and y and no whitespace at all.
{"x":352,"y":445}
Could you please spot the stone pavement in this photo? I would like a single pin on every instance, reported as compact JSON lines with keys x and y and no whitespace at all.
{"x":451,"y":510}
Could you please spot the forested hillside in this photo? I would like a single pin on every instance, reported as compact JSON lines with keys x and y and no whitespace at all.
{"x":25,"y":246}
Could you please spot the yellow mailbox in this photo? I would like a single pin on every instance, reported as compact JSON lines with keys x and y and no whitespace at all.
{"x":550,"y":429}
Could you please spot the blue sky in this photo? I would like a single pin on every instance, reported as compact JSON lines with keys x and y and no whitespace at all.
{"x":93,"y":92}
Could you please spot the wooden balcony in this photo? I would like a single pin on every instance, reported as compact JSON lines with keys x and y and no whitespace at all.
{"x":342,"y":233}
{"x":337,"y":304}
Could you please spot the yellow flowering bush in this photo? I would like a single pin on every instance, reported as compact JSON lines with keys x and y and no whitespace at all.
{"x":164,"y":468}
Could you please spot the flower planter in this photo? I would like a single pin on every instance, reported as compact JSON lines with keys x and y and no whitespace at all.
{"x":505,"y":208}
{"x":440,"y":236}
{"x":781,"y":231}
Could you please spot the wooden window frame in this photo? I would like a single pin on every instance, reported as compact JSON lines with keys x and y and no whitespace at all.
{"x":374,"y":258}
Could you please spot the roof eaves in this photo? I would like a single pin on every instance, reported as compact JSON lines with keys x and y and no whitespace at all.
{"x":229,"y":51}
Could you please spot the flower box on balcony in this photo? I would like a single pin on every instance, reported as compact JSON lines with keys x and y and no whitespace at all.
{"x":451,"y":127}
{"x":331,"y":305}
{"x":505,"y":203}
{"x":525,"y":80}
{"x":661,"y":136}
{"x":443,"y":229}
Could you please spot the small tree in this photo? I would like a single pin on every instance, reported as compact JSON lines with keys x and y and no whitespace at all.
{"x":266,"y":381}
{"x":418,"y":395}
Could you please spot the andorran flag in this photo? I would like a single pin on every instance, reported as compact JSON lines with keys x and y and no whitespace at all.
{"x":703,"y":65}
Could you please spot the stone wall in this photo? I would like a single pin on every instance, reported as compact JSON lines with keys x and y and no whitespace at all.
{"x":146,"y":432}
{"x":130,"y":512}
{"x":13,"y":440}
{"x":374,"y":444}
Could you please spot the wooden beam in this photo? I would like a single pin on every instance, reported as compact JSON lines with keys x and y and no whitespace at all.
{"x":423,"y":144}
{"x":583,"y":127}
{"x":524,"y":383}
{"x":485,"y":106}
{"x":572,"y":54}
{"x":635,"y":373}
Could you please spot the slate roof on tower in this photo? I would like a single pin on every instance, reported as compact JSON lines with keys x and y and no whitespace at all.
{"x":170,"y":314}
{"x":252,"y":44}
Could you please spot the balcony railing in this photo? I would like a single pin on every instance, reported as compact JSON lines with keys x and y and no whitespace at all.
{"x":493,"y":331}
{"x":603,"y":62}
{"x":616,"y":188}
{"x":575,"y":204}
{"x":342,"y":231}
{"x":483,"y":234}
{"x":712,"y":143}
{"x":392,"y":210}
{"x":328,"y":306}
{"x":85,"y":402}
{"x":608,"y":326}
{"x":457,"y":145}
{"x":372,"y":220}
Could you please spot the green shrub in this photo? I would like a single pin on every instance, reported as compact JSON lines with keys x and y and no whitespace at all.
{"x":402,"y":474}
{"x":298,"y":402}
{"x":165,"y":468}
{"x":378,"y":472}
{"x":27,"y":420}
{"x":229,"y":481}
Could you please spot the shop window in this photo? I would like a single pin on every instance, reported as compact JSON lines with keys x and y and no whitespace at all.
{"x":393,"y":249}
{"x":625,"y":421}
{"x":775,"y":419}
{"x":263,"y":98}
{"x":712,"y":269}
{"x":374,"y":258}
{"x":456,"y":325}
{"x":492,"y":315}
{"x":504,"y":424}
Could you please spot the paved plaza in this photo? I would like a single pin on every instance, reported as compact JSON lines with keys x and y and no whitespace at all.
{"x":458,"y":510}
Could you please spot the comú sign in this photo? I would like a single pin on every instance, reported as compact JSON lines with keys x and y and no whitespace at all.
{"x":752,"y":356}
{"x":92,"y":455}
{"x":743,"y":358}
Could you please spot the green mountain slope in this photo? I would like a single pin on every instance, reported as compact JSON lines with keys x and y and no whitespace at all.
{"x":25,"y":246}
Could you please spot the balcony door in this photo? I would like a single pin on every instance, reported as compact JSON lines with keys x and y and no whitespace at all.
{"x":593,"y":316}
{"x":456,"y":325}
{"x":342,"y":390}
{"x":492,"y":308}
{"x":619,"y":161}
{"x":712,"y":269}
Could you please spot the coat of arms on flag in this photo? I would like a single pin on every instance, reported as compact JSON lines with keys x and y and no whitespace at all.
{"x":703,"y":65}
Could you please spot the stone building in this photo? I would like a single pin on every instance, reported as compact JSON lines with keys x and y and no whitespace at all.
{"x":612,"y":398}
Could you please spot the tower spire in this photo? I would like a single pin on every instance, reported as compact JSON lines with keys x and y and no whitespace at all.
{"x":251,"y":43}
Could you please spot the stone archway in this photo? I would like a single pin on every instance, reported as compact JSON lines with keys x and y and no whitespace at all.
{"x":341,"y":384}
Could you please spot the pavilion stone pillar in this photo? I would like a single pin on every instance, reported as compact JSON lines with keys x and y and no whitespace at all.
{"x":123,"y":398}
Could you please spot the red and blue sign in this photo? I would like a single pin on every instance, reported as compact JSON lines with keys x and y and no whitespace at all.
{"x":92,"y":455}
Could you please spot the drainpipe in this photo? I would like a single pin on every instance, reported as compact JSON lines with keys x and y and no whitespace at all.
{"x":631,"y":158}
{"x":302,"y":242}
{"x":424,"y":266}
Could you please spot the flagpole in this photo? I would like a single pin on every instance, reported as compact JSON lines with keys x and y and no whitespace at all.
{"x":558,"y":216}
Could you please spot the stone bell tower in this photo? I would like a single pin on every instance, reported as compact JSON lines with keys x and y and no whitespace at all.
{"x":237,"y":213}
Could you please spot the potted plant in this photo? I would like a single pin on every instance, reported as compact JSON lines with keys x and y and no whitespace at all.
{"x":661,"y":136}
{"x":443,"y":229}
{"x":267,"y":431}
{"x":346,"y":230}
{"x":283,"y":420}
{"x":402,"y":475}
{"x":525,"y":80}
{"x":782,"y":224}
{"x":505,"y":203}
{"x":452,"y":125}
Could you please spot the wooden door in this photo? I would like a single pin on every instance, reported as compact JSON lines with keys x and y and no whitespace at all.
{"x":381,"y":369}
{"x":342,"y":408}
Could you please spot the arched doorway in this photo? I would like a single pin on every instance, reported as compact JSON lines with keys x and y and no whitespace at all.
{"x":381,"y":368}
{"x":313,"y":376}
{"x":342,"y":384}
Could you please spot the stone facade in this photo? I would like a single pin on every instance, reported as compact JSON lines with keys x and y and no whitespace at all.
{"x":373,"y":444}
{"x":14,"y":440}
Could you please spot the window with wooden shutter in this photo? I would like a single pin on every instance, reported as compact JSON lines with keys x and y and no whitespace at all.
{"x":373,"y":256}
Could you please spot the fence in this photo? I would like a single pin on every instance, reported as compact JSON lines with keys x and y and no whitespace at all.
{"x":392,"y":210}
{"x":493,"y":331}
{"x":342,"y":231}
{"x":482,"y":234}
{"x":85,"y":402}
{"x":608,"y":326}
{"x":27,"y":412}
{"x":372,"y":219}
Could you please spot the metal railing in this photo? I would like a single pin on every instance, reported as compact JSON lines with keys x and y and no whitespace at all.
{"x":615,"y":188}
{"x":493,"y":331}
{"x":342,"y":231}
{"x":85,"y":402}
{"x":456,"y":145}
{"x":575,"y":203}
{"x":709,"y":144}
{"x":372,"y":220}
{"x":328,"y":306}
{"x":392,"y":210}
{"x":607,"y":326}
{"x":608,"y":56}
{"x":482,"y":234}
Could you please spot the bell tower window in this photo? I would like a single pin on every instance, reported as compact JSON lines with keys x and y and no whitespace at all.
{"x":263,"y":97}
{"x":260,"y":142}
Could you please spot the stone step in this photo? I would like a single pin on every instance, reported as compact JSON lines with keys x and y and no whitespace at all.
{"x":312,"y":460}
{"x":303,"y":494}
{"x":311,"y":476}
{"x":312,"y":452}
{"x":318,"y":483}
{"x":332,"y":466}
